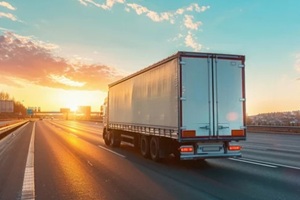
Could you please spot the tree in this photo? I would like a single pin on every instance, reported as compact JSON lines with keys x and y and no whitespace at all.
{"x":4,"y":96}
{"x":19,"y":108}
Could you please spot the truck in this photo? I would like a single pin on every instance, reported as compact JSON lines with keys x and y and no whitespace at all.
{"x":190,"y":105}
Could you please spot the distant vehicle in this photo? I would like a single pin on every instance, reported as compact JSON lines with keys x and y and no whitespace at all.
{"x":190,"y":104}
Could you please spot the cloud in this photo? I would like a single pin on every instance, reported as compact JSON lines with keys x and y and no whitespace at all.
{"x":164,"y":16}
{"x":168,"y":16}
{"x":191,"y":42}
{"x":83,"y":2}
{"x":66,"y":81}
{"x":154,"y":16}
{"x":106,"y":6}
{"x":138,"y":8}
{"x":30,"y":60}
{"x":110,"y":3}
{"x":12,"y":81}
{"x":8,"y":16}
{"x":188,"y":22}
{"x":176,"y":38}
{"x":4,"y":29}
{"x":173,"y":17}
{"x":197,"y":8}
{"x":7,"y":5}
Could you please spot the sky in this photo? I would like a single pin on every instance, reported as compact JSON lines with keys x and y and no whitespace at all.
{"x":63,"y":53}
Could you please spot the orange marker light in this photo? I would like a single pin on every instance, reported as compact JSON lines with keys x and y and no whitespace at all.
{"x":237,"y":133}
{"x":188,"y":133}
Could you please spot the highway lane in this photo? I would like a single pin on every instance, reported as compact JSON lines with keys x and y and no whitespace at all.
{"x":275,"y":148}
{"x":72,"y":162}
{"x":263,"y":189}
{"x":13,"y":154}
{"x":281,"y":149}
{"x":68,"y":167}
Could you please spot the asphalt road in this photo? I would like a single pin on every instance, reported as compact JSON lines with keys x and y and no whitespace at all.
{"x":72,"y":162}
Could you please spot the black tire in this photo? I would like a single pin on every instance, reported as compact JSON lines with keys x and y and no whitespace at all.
{"x":115,"y":139}
{"x":176,"y":154}
{"x":175,"y":151}
{"x":154,"y":149}
{"x":144,"y":146}
{"x":106,"y":137}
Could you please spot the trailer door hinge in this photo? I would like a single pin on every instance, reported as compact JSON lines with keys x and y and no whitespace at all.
{"x":241,"y":66}
{"x":242,"y":99}
{"x":182,"y":62}
{"x":222,"y":127}
{"x":182,"y":99}
{"x":204,"y":127}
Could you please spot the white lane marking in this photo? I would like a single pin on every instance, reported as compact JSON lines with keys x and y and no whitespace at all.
{"x":28,"y":191}
{"x":286,"y":166}
{"x":112,"y":151}
{"x":267,"y":163}
{"x":253,"y":162}
{"x":275,"y":164}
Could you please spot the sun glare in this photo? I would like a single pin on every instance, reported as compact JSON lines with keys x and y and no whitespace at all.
{"x":73,"y":99}
{"x":73,"y":108}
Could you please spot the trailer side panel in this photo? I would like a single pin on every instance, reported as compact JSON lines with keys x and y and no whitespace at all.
{"x":149,"y":99}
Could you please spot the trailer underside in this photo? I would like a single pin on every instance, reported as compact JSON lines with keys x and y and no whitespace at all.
{"x":159,"y":147}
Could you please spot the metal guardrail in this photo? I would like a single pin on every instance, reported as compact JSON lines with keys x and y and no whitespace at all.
{"x":277,"y":129}
{"x":4,"y":131}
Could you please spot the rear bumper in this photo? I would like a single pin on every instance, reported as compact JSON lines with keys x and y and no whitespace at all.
{"x":210,"y":155}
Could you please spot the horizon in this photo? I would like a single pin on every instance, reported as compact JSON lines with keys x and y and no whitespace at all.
{"x":67,"y":59}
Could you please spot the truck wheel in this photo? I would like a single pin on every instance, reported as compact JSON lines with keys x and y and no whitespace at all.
{"x":115,"y":139}
{"x":154,"y":149}
{"x":176,"y":154}
{"x":144,"y":147}
{"x":106,"y":137}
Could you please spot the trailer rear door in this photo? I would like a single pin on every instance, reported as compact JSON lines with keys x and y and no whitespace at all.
{"x":229,"y":95}
{"x":212,"y":96}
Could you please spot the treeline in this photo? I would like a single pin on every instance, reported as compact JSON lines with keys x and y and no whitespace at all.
{"x":19,"y":108}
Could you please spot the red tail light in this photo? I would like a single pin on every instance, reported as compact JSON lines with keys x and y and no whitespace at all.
{"x":186,"y":149}
{"x":234,"y":148}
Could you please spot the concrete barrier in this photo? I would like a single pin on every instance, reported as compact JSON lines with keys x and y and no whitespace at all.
{"x":6,"y":130}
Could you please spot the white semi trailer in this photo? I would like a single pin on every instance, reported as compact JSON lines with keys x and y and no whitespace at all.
{"x":191,"y":105}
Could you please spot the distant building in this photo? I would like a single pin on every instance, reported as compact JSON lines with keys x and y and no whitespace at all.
{"x":85,"y":111}
{"x":82,"y":113}
{"x":65,"y":112}
{"x":6,"y":106}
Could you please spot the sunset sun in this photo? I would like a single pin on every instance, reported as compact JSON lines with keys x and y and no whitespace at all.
{"x":73,"y":99}
{"x":73,"y":108}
